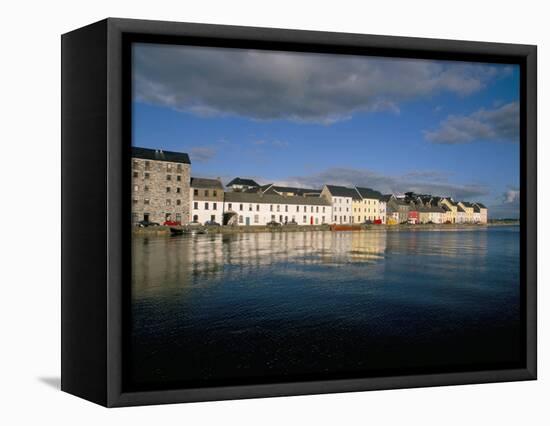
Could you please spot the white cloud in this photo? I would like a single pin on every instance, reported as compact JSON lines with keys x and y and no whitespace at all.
{"x":500,"y":124}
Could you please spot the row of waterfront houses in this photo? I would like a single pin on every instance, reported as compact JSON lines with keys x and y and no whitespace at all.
{"x":164,"y":190}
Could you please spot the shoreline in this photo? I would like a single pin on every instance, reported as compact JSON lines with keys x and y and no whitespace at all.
{"x":165,"y":230}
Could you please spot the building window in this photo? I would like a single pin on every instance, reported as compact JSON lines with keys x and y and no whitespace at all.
{"x":214,"y":206}
{"x":311,"y":209}
{"x":322,"y":219}
{"x":178,"y":217}
{"x":286,"y":208}
{"x":179,"y":168}
{"x":240,"y":207}
{"x":178,"y":178}
{"x":147,"y":165}
{"x":146,"y":201}
{"x":305,"y":219}
{"x":136,"y":174}
{"x":195,"y":205}
{"x":167,"y":189}
{"x":195,"y":192}
{"x":195,"y":218}
{"x":136,"y":188}
{"x":323,"y":209}
{"x":168,"y":177}
{"x":250,"y":207}
{"x":278,"y":207}
{"x":178,"y":190}
{"x":317,"y":209}
{"x":169,"y":167}
{"x":229,"y":206}
{"x":257,"y":207}
{"x":240,"y":219}
{"x":297,"y":208}
{"x":134,"y":201}
{"x":146,"y":175}
{"x":214,"y":193}
{"x":168,"y":202}
{"x":206,"y":192}
{"x":271,"y":208}
{"x":205,"y":206}
{"x":135,"y":165}
{"x":178,"y":202}
{"x":146,"y":188}
{"x":256,"y":218}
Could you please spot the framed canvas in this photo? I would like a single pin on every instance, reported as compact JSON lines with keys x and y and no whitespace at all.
{"x":254,"y":212}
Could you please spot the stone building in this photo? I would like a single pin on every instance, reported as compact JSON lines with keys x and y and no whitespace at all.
{"x":160,"y":186}
{"x":206,"y":200}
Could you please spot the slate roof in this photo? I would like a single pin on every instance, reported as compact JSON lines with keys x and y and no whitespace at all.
{"x":160,"y":155}
{"x":206,"y":183}
{"x":386,"y":197}
{"x":245,"y":182}
{"x":430,"y":209}
{"x":342,"y":191}
{"x":481,"y":205}
{"x":467,"y":204}
{"x":369,"y":193}
{"x":274,"y":189}
{"x":460,"y":209}
{"x":249,"y":197}
{"x":477,"y":209}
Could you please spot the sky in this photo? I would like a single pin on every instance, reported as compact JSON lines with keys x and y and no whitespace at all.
{"x":305,"y":119}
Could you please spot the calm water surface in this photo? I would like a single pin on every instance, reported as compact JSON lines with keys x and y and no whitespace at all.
{"x":208,"y":309}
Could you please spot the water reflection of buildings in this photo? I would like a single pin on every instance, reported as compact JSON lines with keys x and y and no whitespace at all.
{"x":185,"y":260}
{"x":161,"y":264}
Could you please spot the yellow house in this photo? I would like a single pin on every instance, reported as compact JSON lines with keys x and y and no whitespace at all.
{"x":451,"y":215}
{"x":368,"y":206}
{"x":469,"y":210}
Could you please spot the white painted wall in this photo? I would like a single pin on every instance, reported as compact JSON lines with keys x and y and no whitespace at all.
{"x":262,"y":213}
{"x":204,"y":210}
{"x":342,"y":210}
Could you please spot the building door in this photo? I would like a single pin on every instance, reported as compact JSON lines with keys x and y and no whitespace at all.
{"x":146,"y":217}
{"x":311,"y":220}
{"x":247,"y":221}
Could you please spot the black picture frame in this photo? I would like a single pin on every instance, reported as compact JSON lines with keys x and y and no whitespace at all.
{"x":96,"y":180}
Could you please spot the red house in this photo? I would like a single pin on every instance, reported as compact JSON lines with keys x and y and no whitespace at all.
{"x":413,"y":217}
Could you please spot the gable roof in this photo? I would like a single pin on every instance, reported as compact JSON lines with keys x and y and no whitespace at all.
{"x":477,"y":209}
{"x":244,"y":182}
{"x":369,"y":193}
{"x":160,"y":155}
{"x":460,"y":209}
{"x":342,"y":191}
{"x":481,"y":205}
{"x":206,"y":183}
{"x":386,"y":197}
{"x":467,"y":204}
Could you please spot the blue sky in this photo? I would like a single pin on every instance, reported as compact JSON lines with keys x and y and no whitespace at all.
{"x":447,"y":128}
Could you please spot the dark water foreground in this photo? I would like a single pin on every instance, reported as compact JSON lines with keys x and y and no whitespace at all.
{"x":246,"y":308}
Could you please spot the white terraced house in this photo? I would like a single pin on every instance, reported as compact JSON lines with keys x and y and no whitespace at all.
{"x":341,"y":199}
{"x":249,"y":208}
{"x":206,"y":200}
